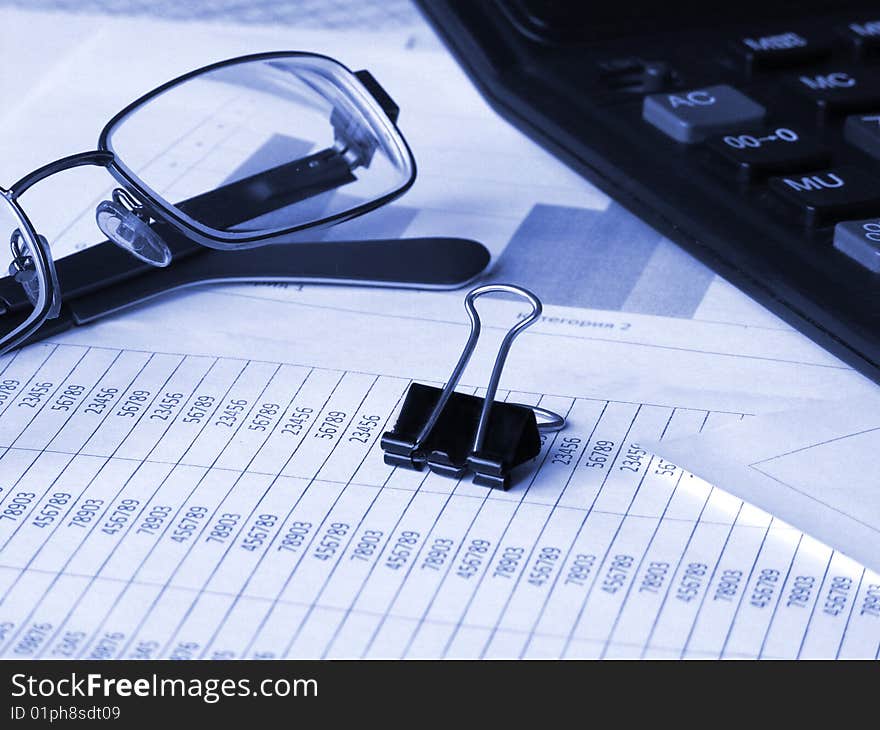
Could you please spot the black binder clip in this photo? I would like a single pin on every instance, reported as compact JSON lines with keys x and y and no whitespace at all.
{"x":452,"y":433}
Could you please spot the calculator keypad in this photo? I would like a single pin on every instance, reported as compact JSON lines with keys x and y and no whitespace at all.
{"x":759,"y":132}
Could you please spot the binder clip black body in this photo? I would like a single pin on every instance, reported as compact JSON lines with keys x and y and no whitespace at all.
{"x":452,"y":433}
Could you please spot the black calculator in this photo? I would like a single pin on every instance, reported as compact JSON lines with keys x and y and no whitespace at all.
{"x":747,"y":132}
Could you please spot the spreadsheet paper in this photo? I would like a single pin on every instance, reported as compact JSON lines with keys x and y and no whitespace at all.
{"x":169,"y":504}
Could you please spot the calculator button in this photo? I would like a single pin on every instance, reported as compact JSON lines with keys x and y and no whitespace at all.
{"x":860,"y":240}
{"x":769,"y":152}
{"x":864,"y":37}
{"x":841,"y":90}
{"x":691,"y":116}
{"x":780,"y":49}
{"x":863,"y":131}
{"x":830,"y":195}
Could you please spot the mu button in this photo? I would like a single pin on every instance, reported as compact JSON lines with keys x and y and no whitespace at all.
{"x":830,"y":195}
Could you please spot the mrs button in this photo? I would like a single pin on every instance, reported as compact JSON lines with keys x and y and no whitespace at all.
{"x":691,"y":116}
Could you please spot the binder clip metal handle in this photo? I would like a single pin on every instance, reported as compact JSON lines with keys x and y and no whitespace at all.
{"x":452,"y":432}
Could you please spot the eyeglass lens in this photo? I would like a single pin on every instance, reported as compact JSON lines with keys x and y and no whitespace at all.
{"x":280,"y":142}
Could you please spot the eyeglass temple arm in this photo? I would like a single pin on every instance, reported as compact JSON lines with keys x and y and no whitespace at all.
{"x":270,"y":190}
{"x":104,"y":279}
{"x":422,"y":263}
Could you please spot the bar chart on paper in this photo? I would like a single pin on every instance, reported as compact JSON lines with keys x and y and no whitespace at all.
{"x":157,"y":504}
{"x":618,"y":262}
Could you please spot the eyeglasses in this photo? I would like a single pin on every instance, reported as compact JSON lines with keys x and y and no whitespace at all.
{"x":256,"y":150}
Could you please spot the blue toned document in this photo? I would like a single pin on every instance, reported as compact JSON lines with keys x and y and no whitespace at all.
{"x":194,"y":492}
{"x":201,"y":478}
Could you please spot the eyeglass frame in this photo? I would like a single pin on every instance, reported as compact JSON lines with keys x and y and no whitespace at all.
{"x":158,"y":208}
{"x":474,"y":254}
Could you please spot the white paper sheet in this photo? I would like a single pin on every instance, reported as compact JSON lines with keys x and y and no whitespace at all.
{"x":191,"y":479}
{"x":814,"y":467}
{"x":190,"y":489}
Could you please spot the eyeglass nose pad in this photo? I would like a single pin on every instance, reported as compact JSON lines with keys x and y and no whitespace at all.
{"x":29,"y":280}
{"x":129,"y":231}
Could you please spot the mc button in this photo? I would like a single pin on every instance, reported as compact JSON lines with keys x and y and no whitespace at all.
{"x":841,"y":90}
